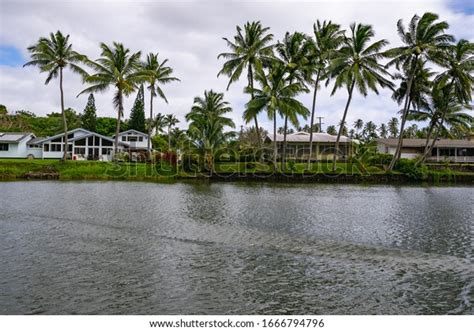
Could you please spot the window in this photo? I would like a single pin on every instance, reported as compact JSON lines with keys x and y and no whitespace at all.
{"x":124,"y":138}
{"x":3,"y":147}
{"x":56,"y":148}
{"x":81,"y":142}
{"x":90,"y":141}
{"x":140,"y":138}
{"x":132,"y":138}
{"x":106,"y":151}
{"x":46,"y":147}
{"x":79,"y":150}
{"x":107,"y":143}
{"x":57,"y":140}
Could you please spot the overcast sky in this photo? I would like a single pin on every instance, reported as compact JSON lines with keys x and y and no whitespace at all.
{"x":189,"y":34}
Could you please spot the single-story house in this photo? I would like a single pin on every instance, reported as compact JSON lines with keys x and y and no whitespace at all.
{"x":454,"y":150}
{"x":297,"y":146}
{"x":82,"y":145}
{"x":18,"y":144}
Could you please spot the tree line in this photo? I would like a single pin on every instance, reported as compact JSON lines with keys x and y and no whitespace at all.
{"x":277,"y":73}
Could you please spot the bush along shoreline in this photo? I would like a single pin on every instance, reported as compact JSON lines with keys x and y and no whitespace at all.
{"x":321,"y":172}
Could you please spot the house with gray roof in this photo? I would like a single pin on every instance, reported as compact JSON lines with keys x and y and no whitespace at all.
{"x":324,"y":144}
{"x":453,"y":150}
{"x":17,"y":145}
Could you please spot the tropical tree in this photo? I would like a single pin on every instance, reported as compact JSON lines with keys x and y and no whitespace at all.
{"x":358,"y":125}
{"x":137,"y":114}
{"x":327,"y":38}
{"x":294,"y":54}
{"x":89,"y":117}
{"x":119,"y":69}
{"x":356,"y":65}
{"x":393,"y":127}
{"x":425,"y":39}
{"x":370,"y":130}
{"x":383,"y":131}
{"x":331,"y":129}
{"x":277,"y":96}
{"x":444,"y":111}
{"x":250,"y":48}
{"x":158,"y":73}
{"x":53,"y":55}
{"x":207,"y":124}
{"x":170,"y":121}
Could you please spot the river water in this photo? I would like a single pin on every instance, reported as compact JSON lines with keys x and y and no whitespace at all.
{"x":235,"y":248}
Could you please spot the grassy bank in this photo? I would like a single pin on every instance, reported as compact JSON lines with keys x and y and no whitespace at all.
{"x":11,"y":169}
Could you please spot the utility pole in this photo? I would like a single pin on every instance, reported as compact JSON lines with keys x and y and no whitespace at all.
{"x":320,"y":123}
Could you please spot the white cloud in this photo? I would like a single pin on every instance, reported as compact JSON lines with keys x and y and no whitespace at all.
{"x":189,"y":34}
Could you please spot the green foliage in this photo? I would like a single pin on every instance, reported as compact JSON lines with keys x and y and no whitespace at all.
{"x":3,"y":110}
{"x":107,"y":125}
{"x":137,"y":115}
{"x":89,"y":118}
{"x":159,"y":143}
{"x":292,"y":165}
{"x":411,"y":169}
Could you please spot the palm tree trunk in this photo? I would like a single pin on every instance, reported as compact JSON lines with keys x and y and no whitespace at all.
{"x":433,"y":142}
{"x":120,"y":111}
{"x":427,"y":142}
{"x":341,"y":127}
{"x":169,"y":138}
{"x":283,"y":159}
{"x":65,"y":146}
{"x":275,"y":150}
{"x":406,"y":107}
{"x":150,"y":126}
{"x":312,"y":120}
{"x":257,"y":130}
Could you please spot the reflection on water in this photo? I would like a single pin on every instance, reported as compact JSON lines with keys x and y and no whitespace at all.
{"x":243,"y":248}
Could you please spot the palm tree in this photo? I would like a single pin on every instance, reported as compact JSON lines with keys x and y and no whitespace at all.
{"x":358,"y":124}
{"x":53,"y":55}
{"x":331,"y":129}
{"x":383,"y":130}
{"x":118,"y":68}
{"x":356,"y":65}
{"x":370,"y":130}
{"x":157,"y":74}
{"x":276,"y":96}
{"x":248,"y":50}
{"x":393,"y":127}
{"x":327,"y":38}
{"x":424,"y":40}
{"x":170,"y":121}
{"x":294,"y":54}
{"x":444,"y":111}
{"x":207,"y":124}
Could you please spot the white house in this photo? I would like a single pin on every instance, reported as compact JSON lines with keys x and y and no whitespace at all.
{"x":454,"y":150}
{"x":136,"y":140}
{"x":19,"y":145}
{"x":82,"y":145}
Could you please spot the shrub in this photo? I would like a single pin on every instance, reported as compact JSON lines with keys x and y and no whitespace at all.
{"x":250,"y":166}
{"x":292,"y":165}
{"x":409,"y":168}
{"x":381,"y":159}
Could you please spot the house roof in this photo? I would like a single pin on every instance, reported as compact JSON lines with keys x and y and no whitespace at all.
{"x":318,"y":137}
{"x":132,"y":131}
{"x":97,"y":135}
{"x":14,"y":137}
{"x":35,"y":141}
{"x":392,"y":142}
{"x":62,"y":134}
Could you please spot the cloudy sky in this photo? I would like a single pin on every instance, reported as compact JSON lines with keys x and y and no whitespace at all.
{"x":189,"y":34}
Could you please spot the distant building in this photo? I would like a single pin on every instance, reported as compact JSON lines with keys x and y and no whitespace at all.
{"x":18,"y":145}
{"x":323,"y":146}
{"x":453,"y":150}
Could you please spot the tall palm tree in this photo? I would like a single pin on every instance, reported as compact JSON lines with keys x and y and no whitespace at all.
{"x":383,"y":131}
{"x":425,"y":39}
{"x":370,"y":130}
{"x":157,"y":74}
{"x":444,"y":111}
{"x":119,"y":69}
{"x":170,"y":121}
{"x":393,"y":127}
{"x":356,"y":65}
{"x":327,"y":38}
{"x":294,"y":54}
{"x":207,"y":123}
{"x":53,"y":55}
{"x":358,"y":124}
{"x":277,"y":97}
{"x":250,"y":47}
